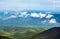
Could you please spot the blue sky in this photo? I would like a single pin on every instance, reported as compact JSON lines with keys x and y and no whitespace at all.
{"x":30,"y":4}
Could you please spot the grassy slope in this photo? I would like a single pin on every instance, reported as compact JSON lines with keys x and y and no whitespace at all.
{"x":20,"y":32}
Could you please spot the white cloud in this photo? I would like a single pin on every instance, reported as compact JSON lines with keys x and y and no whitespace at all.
{"x":52,"y":21}
{"x":49,"y":16}
{"x":42,"y":15}
{"x":34,"y":15}
{"x":23,"y":13}
{"x":12,"y":16}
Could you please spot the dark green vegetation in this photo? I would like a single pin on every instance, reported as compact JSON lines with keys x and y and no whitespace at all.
{"x":4,"y":37}
{"x":15,"y":32}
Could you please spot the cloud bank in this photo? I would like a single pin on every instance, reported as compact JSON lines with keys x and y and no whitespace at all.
{"x":46,"y":17}
{"x":26,"y":14}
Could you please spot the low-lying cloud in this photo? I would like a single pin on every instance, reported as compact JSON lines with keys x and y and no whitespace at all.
{"x":34,"y":15}
{"x":49,"y":16}
{"x":53,"y":21}
{"x":26,"y":14}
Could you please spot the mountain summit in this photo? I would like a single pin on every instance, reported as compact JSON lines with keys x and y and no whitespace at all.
{"x":53,"y":33}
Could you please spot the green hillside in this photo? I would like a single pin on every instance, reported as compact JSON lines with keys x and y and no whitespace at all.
{"x":15,"y":32}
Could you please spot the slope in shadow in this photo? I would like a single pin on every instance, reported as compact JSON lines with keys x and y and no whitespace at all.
{"x":53,"y":33}
{"x":4,"y":37}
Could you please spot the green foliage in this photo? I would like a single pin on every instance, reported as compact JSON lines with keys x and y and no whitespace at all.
{"x":20,"y":32}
